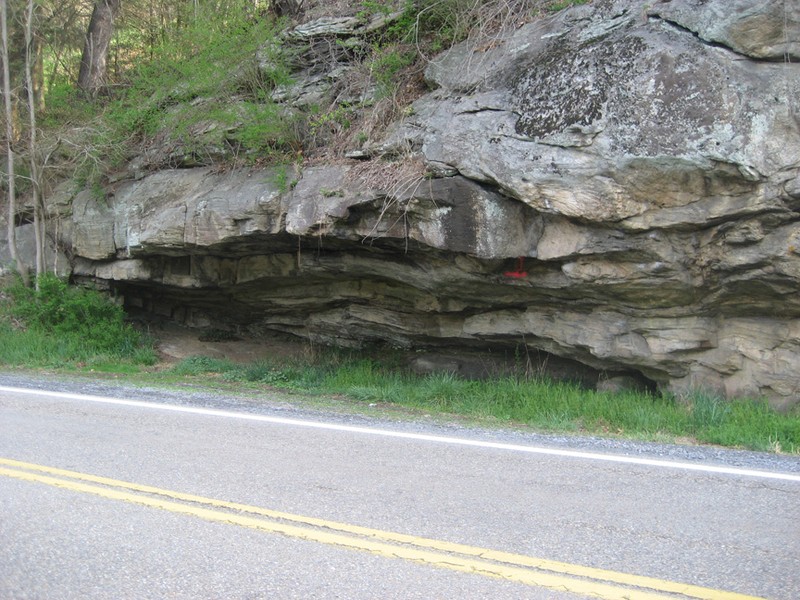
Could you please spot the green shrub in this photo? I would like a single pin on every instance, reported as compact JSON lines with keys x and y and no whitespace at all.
{"x":57,"y":322}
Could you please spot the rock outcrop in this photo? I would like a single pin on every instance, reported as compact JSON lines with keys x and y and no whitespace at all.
{"x":617,"y":185}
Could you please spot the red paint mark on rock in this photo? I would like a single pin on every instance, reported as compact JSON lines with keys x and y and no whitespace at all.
{"x":520,"y":272}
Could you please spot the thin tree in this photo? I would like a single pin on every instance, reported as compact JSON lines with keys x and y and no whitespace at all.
{"x":33,"y":149}
{"x":10,"y":173}
{"x":94,"y":61}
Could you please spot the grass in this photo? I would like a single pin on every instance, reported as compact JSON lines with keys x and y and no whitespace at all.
{"x":67,"y":327}
{"x":542,"y":404}
{"x":558,"y":5}
{"x":33,"y":348}
{"x":202,"y":93}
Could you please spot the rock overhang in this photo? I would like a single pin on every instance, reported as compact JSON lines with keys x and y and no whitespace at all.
{"x":635,"y":164}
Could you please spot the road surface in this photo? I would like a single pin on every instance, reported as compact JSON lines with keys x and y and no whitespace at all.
{"x":122,"y":493}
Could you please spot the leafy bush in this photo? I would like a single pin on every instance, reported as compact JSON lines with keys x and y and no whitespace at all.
{"x":69,"y":323}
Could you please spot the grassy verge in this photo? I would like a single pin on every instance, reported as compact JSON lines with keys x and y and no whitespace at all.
{"x":66,"y":327}
{"x":542,"y":404}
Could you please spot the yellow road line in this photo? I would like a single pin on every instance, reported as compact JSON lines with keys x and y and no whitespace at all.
{"x":560,"y":576}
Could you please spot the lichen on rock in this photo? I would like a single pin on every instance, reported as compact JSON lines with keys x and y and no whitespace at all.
{"x":567,"y":87}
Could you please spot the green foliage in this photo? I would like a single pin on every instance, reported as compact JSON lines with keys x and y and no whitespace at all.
{"x":265,"y":129}
{"x":287,"y":376}
{"x":335,"y":119}
{"x":562,"y":406}
{"x":707,"y":411}
{"x":74,"y":141}
{"x":65,"y":105}
{"x":421,"y":28}
{"x":207,"y":87}
{"x":746,"y":423}
{"x":283,"y":176}
{"x":418,"y":19}
{"x":558,"y":5}
{"x":387,"y":63}
{"x":58,"y":323}
{"x":442,"y":23}
{"x":447,"y":22}
{"x":295,"y":376}
{"x":373,"y":7}
{"x":199,"y":365}
{"x":541,"y":403}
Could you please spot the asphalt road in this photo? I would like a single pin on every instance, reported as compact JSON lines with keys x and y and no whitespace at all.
{"x":368,"y":507}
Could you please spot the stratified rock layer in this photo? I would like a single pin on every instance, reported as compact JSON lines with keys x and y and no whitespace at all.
{"x":618,"y":184}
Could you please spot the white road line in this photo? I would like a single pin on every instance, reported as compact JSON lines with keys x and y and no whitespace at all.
{"x":213,"y":412}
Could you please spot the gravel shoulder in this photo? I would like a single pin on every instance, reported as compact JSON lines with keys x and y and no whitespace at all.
{"x":336,"y":410}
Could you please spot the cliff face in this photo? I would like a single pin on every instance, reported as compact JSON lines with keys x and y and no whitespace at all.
{"x":618,"y":185}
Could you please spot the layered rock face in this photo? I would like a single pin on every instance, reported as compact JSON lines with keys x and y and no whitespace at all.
{"x":617,"y":185}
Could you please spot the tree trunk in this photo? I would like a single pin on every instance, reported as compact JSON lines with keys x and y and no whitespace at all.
{"x":285,"y":8}
{"x":92,"y":76}
{"x":39,"y":223}
{"x":9,"y":116}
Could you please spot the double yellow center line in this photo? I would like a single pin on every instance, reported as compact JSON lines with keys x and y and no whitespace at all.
{"x":584,"y":581}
